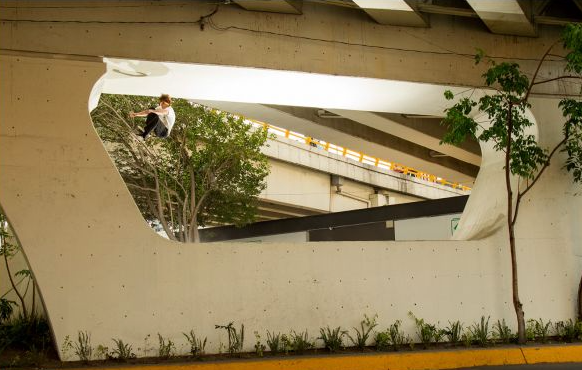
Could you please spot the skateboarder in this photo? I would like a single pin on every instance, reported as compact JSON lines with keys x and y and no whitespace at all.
{"x":160,"y":120}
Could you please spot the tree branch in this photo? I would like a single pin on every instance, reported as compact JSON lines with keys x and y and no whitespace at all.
{"x":531,"y":85}
{"x":20,"y":297}
{"x":536,"y":178}
{"x":130,"y":185}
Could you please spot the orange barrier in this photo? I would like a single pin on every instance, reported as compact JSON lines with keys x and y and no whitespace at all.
{"x":357,"y":156}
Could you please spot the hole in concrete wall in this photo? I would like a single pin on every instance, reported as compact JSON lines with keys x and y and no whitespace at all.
{"x":302,"y":165}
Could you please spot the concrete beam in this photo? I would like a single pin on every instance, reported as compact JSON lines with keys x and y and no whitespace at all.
{"x":383,"y":123}
{"x":394,"y":13}
{"x":504,"y":16}
{"x":284,"y":209}
{"x":272,"y":6}
{"x":430,"y":126}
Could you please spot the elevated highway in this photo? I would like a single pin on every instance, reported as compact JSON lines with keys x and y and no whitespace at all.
{"x":308,"y":179}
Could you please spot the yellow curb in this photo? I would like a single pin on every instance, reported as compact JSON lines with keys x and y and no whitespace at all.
{"x":422,"y":360}
{"x":534,"y":355}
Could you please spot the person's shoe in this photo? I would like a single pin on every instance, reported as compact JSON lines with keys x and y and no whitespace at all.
{"x":139,"y":136}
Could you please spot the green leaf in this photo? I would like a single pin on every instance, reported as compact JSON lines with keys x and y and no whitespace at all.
{"x":479,"y":55}
{"x":23,"y":273}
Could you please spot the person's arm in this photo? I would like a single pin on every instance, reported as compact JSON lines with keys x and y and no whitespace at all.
{"x":143,"y":113}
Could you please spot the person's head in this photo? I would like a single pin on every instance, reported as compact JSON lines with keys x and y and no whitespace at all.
{"x":165,"y":98}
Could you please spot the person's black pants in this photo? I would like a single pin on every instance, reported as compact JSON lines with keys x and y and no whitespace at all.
{"x":153,"y":122}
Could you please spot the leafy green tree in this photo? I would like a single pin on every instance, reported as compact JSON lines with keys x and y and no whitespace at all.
{"x":505,"y":108}
{"x":210,"y":169}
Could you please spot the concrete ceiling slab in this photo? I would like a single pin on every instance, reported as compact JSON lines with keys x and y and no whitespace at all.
{"x":266,"y":86}
{"x":504,"y":16}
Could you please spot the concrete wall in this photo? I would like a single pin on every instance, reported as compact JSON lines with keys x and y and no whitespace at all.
{"x":101,"y":268}
{"x":439,"y":54}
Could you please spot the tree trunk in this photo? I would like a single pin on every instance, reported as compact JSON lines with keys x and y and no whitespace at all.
{"x":194,"y":226}
{"x":516,"y":302}
{"x":580,"y":299}
{"x":33,"y":308}
{"x":15,"y":288}
{"x":510,"y":225}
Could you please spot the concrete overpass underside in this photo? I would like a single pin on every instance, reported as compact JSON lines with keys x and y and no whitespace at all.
{"x":100,"y":268}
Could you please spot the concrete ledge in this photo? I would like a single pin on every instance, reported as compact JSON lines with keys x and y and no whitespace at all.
{"x":421,"y":360}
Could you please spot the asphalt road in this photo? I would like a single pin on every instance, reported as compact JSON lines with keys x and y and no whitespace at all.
{"x":570,"y":366}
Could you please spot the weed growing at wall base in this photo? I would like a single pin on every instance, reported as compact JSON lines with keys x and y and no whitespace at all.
{"x":332,"y":338}
{"x":122,"y":351}
{"x":197,"y":345}
{"x":82,"y":347}
{"x":235,"y":338}
{"x":259,"y":347}
{"x":397,"y":337}
{"x":503,"y":332}
{"x":362,"y":334}
{"x":166,"y":348}
{"x":297,"y":342}
{"x":427,"y":333}
{"x":274,"y":342}
{"x":480,"y":332}
{"x":569,"y":330}
{"x":454,"y":332}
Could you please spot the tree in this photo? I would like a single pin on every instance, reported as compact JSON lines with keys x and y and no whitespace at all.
{"x":209,"y":170}
{"x":505,"y":108}
{"x":8,"y":250}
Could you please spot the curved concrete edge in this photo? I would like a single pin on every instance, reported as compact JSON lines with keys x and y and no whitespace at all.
{"x":422,"y":360}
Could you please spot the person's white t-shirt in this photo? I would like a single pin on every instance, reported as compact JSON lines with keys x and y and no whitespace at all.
{"x":168,"y":118}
